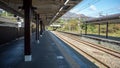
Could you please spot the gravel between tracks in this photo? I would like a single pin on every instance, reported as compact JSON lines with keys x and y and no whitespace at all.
{"x":108,"y":59}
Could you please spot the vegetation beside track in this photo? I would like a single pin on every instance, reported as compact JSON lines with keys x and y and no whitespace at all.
{"x":76,"y":25}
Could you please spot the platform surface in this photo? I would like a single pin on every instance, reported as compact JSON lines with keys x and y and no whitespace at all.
{"x":44,"y":55}
{"x":51,"y":52}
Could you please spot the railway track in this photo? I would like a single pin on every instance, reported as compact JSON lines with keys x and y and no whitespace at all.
{"x":99,"y":47}
{"x":106,"y":50}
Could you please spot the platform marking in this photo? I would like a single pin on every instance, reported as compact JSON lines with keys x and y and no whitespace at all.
{"x":40,"y":35}
{"x":60,"y":57}
{"x":28,"y":58}
{"x":38,"y":41}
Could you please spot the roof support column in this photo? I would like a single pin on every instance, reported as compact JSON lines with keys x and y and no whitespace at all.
{"x":27,"y":4}
{"x":37,"y":27}
{"x":107,"y":30}
{"x":99,"y":29}
{"x":41,"y":27}
{"x":85,"y":28}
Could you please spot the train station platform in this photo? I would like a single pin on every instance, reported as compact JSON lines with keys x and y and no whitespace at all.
{"x":51,"y":52}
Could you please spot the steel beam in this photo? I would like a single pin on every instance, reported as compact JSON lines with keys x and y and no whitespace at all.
{"x":27,"y":4}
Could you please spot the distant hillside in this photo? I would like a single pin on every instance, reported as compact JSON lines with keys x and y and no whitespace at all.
{"x":70,"y":15}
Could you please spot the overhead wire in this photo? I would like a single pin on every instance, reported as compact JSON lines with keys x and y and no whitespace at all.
{"x":85,"y":4}
{"x":107,"y":11}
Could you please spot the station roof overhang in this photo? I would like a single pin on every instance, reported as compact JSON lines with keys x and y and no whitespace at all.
{"x":114,"y":18}
{"x":49,"y":10}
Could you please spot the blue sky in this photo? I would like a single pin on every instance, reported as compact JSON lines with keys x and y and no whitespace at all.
{"x":95,"y":8}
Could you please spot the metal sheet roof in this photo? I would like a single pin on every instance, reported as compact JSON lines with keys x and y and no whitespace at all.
{"x":109,"y":18}
{"x":49,"y":10}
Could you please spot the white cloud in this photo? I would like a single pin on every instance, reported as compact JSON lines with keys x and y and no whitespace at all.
{"x":92,"y":7}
